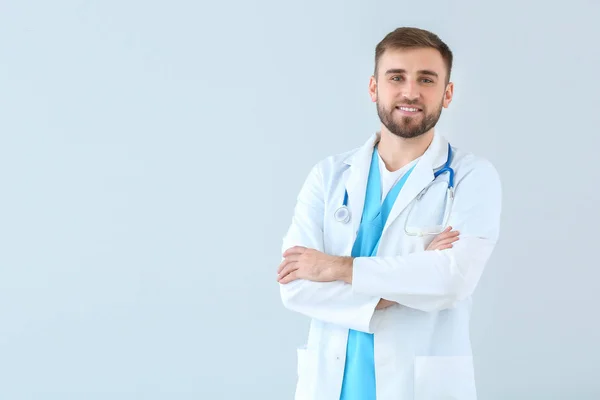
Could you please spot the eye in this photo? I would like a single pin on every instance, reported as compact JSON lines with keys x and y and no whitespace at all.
{"x":426,"y":80}
{"x":396,"y":78}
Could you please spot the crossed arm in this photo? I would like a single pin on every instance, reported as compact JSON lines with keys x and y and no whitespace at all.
{"x":346,"y":291}
{"x":313,"y":265}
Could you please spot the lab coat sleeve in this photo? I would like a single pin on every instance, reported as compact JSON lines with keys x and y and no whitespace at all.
{"x":333,"y":302}
{"x":436,"y":280}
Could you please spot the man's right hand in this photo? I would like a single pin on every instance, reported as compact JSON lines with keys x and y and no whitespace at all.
{"x":441,"y":242}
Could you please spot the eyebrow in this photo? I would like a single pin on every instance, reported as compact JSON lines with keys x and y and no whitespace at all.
{"x":403,"y":71}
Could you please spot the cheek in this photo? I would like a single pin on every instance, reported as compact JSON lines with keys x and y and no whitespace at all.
{"x":384,"y":92}
{"x":434,"y":100}
{"x":385,"y":99}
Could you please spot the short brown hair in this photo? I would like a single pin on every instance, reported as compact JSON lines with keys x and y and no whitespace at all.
{"x":406,"y":38}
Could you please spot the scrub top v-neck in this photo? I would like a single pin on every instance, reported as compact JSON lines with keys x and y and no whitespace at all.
{"x":383,"y":187}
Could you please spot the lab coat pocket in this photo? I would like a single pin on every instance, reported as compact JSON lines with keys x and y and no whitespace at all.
{"x":444,"y":378}
{"x":305,"y":381}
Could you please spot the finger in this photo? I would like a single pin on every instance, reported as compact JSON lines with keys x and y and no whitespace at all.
{"x":448,"y":234}
{"x":293,"y":270}
{"x":432,"y":244}
{"x":294,"y":250}
{"x":449,"y":240}
{"x":445,"y":236}
{"x":292,"y":276}
{"x":439,"y":245}
{"x":442,"y":246}
{"x":436,"y":243}
{"x":441,"y":235}
{"x":287,"y":267}
{"x":291,"y":267}
{"x":286,"y":261}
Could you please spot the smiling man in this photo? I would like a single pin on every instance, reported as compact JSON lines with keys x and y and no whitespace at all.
{"x":373,"y":255}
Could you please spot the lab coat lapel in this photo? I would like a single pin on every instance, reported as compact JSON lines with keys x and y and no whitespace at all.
{"x":434,"y":157}
{"x":356,"y":180}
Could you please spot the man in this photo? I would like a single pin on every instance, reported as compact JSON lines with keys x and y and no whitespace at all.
{"x":388,"y":296}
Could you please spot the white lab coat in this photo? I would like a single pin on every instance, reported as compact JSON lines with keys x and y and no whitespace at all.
{"x":422,"y":345}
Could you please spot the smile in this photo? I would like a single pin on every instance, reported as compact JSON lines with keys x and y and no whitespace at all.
{"x":408,"y":110}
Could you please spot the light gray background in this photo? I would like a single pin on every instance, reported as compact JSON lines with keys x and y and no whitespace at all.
{"x":150,"y":157}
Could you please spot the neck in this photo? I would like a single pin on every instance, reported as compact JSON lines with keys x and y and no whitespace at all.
{"x":396,"y":151}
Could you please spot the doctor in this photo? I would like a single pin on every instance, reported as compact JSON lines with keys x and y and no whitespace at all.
{"x":388,"y":242}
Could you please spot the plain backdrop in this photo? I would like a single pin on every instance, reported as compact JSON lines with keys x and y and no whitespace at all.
{"x":151,"y":154}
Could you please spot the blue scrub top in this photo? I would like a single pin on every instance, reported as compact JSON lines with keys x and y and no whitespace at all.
{"x":359,"y":371}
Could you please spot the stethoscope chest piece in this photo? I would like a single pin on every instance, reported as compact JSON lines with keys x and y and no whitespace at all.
{"x":342,"y":215}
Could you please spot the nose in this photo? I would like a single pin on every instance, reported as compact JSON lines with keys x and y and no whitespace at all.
{"x":410,"y":91}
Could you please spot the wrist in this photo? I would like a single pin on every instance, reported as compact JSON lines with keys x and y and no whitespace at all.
{"x":344,"y":269}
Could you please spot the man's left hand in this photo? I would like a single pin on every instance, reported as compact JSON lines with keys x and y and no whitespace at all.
{"x":304,"y":263}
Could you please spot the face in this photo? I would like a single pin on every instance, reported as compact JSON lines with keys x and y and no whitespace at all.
{"x":410,"y":90}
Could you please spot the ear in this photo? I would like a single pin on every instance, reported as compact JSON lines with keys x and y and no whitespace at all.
{"x":448,"y":94}
{"x":373,"y":89}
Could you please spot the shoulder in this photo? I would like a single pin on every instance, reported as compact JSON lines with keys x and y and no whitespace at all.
{"x":327,"y":170}
{"x":476,"y":179}
{"x":333,"y":165}
{"x":466,"y":163}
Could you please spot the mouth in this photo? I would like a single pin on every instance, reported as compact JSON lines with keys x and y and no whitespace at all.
{"x":408,"y":110}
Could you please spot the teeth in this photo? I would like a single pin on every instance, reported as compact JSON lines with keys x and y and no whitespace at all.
{"x":409,"y":109}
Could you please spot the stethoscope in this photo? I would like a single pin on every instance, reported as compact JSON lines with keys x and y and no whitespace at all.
{"x":342,"y":214}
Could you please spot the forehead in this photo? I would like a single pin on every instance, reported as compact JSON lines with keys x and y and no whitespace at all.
{"x":412,"y":60}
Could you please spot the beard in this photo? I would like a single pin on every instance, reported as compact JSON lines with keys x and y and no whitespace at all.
{"x":405,"y":126}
